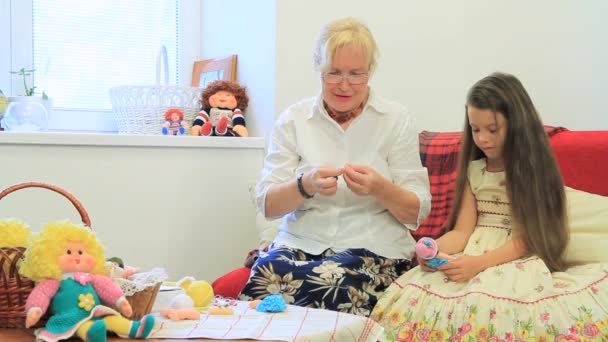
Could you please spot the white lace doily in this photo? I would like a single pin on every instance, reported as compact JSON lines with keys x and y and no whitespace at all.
{"x":141,"y":280}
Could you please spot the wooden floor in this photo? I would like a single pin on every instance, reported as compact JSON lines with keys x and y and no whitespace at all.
{"x":27,"y":335}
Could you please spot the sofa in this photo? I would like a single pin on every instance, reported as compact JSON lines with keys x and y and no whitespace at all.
{"x":582,"y":157}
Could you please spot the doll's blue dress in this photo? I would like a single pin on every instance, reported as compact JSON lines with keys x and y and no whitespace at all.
{"x":72,"y":305}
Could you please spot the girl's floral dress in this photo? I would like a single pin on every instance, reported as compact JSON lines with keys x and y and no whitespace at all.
{"x":516,"y":301}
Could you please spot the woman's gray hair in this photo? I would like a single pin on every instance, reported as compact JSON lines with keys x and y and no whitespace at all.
{"x":342,"y":33}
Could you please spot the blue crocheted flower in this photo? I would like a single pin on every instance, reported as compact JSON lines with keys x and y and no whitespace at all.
{"x":272,"y":303}
{"x":436,"y":262}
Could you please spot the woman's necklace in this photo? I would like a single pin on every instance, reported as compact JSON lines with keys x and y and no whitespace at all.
{"x":342,"y":117}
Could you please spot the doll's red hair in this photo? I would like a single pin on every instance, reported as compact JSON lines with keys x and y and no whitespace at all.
{"x":174,"y":110}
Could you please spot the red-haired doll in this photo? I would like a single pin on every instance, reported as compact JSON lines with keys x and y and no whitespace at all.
{"x":223,"y":103}
{"x":174,"y":122}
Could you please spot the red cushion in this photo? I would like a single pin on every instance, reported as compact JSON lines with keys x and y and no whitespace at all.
{"x":231,"y":283}
{"x":583,"y":159}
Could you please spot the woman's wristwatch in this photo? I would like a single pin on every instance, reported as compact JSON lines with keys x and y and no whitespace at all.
{"x":301,"y":187}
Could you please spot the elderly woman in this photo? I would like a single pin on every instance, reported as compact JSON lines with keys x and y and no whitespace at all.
{"x":343,"y":170}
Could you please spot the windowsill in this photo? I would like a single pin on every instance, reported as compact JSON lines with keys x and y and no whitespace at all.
{"x":101,"y":139}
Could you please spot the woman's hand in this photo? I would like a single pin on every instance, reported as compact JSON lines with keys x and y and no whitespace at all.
{"x":322,"y":180}
{"x":362,"y":180}
{"x":423,"y":265}
{"x":463,"y":268}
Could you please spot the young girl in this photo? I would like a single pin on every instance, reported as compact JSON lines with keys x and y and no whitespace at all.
{"x":506,"y":279}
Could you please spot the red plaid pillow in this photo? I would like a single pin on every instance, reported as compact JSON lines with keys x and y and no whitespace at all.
{"x":439,"y":154}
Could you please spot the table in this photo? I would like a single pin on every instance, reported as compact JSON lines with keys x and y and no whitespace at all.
{"x":293,"y":323}
{"x":27,"y":335}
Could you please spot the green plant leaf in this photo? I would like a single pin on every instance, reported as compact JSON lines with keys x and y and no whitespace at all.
{"x":23,"y":72}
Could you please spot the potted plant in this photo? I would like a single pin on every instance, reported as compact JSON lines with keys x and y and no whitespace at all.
{"x":29,"y":91}
{"x":27,"y":112}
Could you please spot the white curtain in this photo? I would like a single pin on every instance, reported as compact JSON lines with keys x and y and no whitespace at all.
{"x":83,"y":48}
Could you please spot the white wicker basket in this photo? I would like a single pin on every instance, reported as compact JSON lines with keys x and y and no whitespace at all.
{"x":141,"y":109}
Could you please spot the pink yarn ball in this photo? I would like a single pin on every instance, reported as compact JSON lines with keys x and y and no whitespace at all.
{"x":426,"y":248}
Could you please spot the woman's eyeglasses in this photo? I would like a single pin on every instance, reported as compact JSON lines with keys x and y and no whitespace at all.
{"x":335,"y":78}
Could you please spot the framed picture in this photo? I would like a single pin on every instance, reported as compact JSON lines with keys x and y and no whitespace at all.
{"x":223,"y":68}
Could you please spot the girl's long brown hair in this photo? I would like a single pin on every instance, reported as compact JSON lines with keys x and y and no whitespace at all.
{"x":534,"y":184}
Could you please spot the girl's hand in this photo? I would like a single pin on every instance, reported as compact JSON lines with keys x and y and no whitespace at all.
{"x":125,"y":308}
{"x":322,"y":180}
{"x":362,"y":180}
{"x":33,"y":316}
{"x":423,"y":265}
{"x":463,"y":268}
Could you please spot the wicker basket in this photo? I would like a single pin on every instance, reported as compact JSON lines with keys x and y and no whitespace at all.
{"x":142,"y":301}
{"x":141,"y":109}
{"x":14,"y":288}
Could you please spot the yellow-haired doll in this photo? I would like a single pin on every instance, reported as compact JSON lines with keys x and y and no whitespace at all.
{"x":14,"y":233}
{"x":67,"y":263}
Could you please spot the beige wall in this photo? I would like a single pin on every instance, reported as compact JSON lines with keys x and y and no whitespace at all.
{"x":433,"y":51}
{"x":179,"y":203}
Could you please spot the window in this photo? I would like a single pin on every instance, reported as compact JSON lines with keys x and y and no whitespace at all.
{"x":80,"y":49}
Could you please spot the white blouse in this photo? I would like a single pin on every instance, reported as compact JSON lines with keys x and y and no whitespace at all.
{"x":383,"y":137}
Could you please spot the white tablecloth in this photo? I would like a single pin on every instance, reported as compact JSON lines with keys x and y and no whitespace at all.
{"x":293,"y":324}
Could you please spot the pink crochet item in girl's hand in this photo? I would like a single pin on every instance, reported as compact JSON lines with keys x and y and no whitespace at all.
{"x":427,"y":249}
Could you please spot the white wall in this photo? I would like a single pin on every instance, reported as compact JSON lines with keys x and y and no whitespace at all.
{"x":177,"y":203}
{"x":433,"y":51}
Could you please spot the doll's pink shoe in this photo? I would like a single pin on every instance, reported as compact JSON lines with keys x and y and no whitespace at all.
{"x":206,"y":128}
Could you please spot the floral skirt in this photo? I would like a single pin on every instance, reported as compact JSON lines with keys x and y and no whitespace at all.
{"x":349,"y":281}
{"x":518,"y":301}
